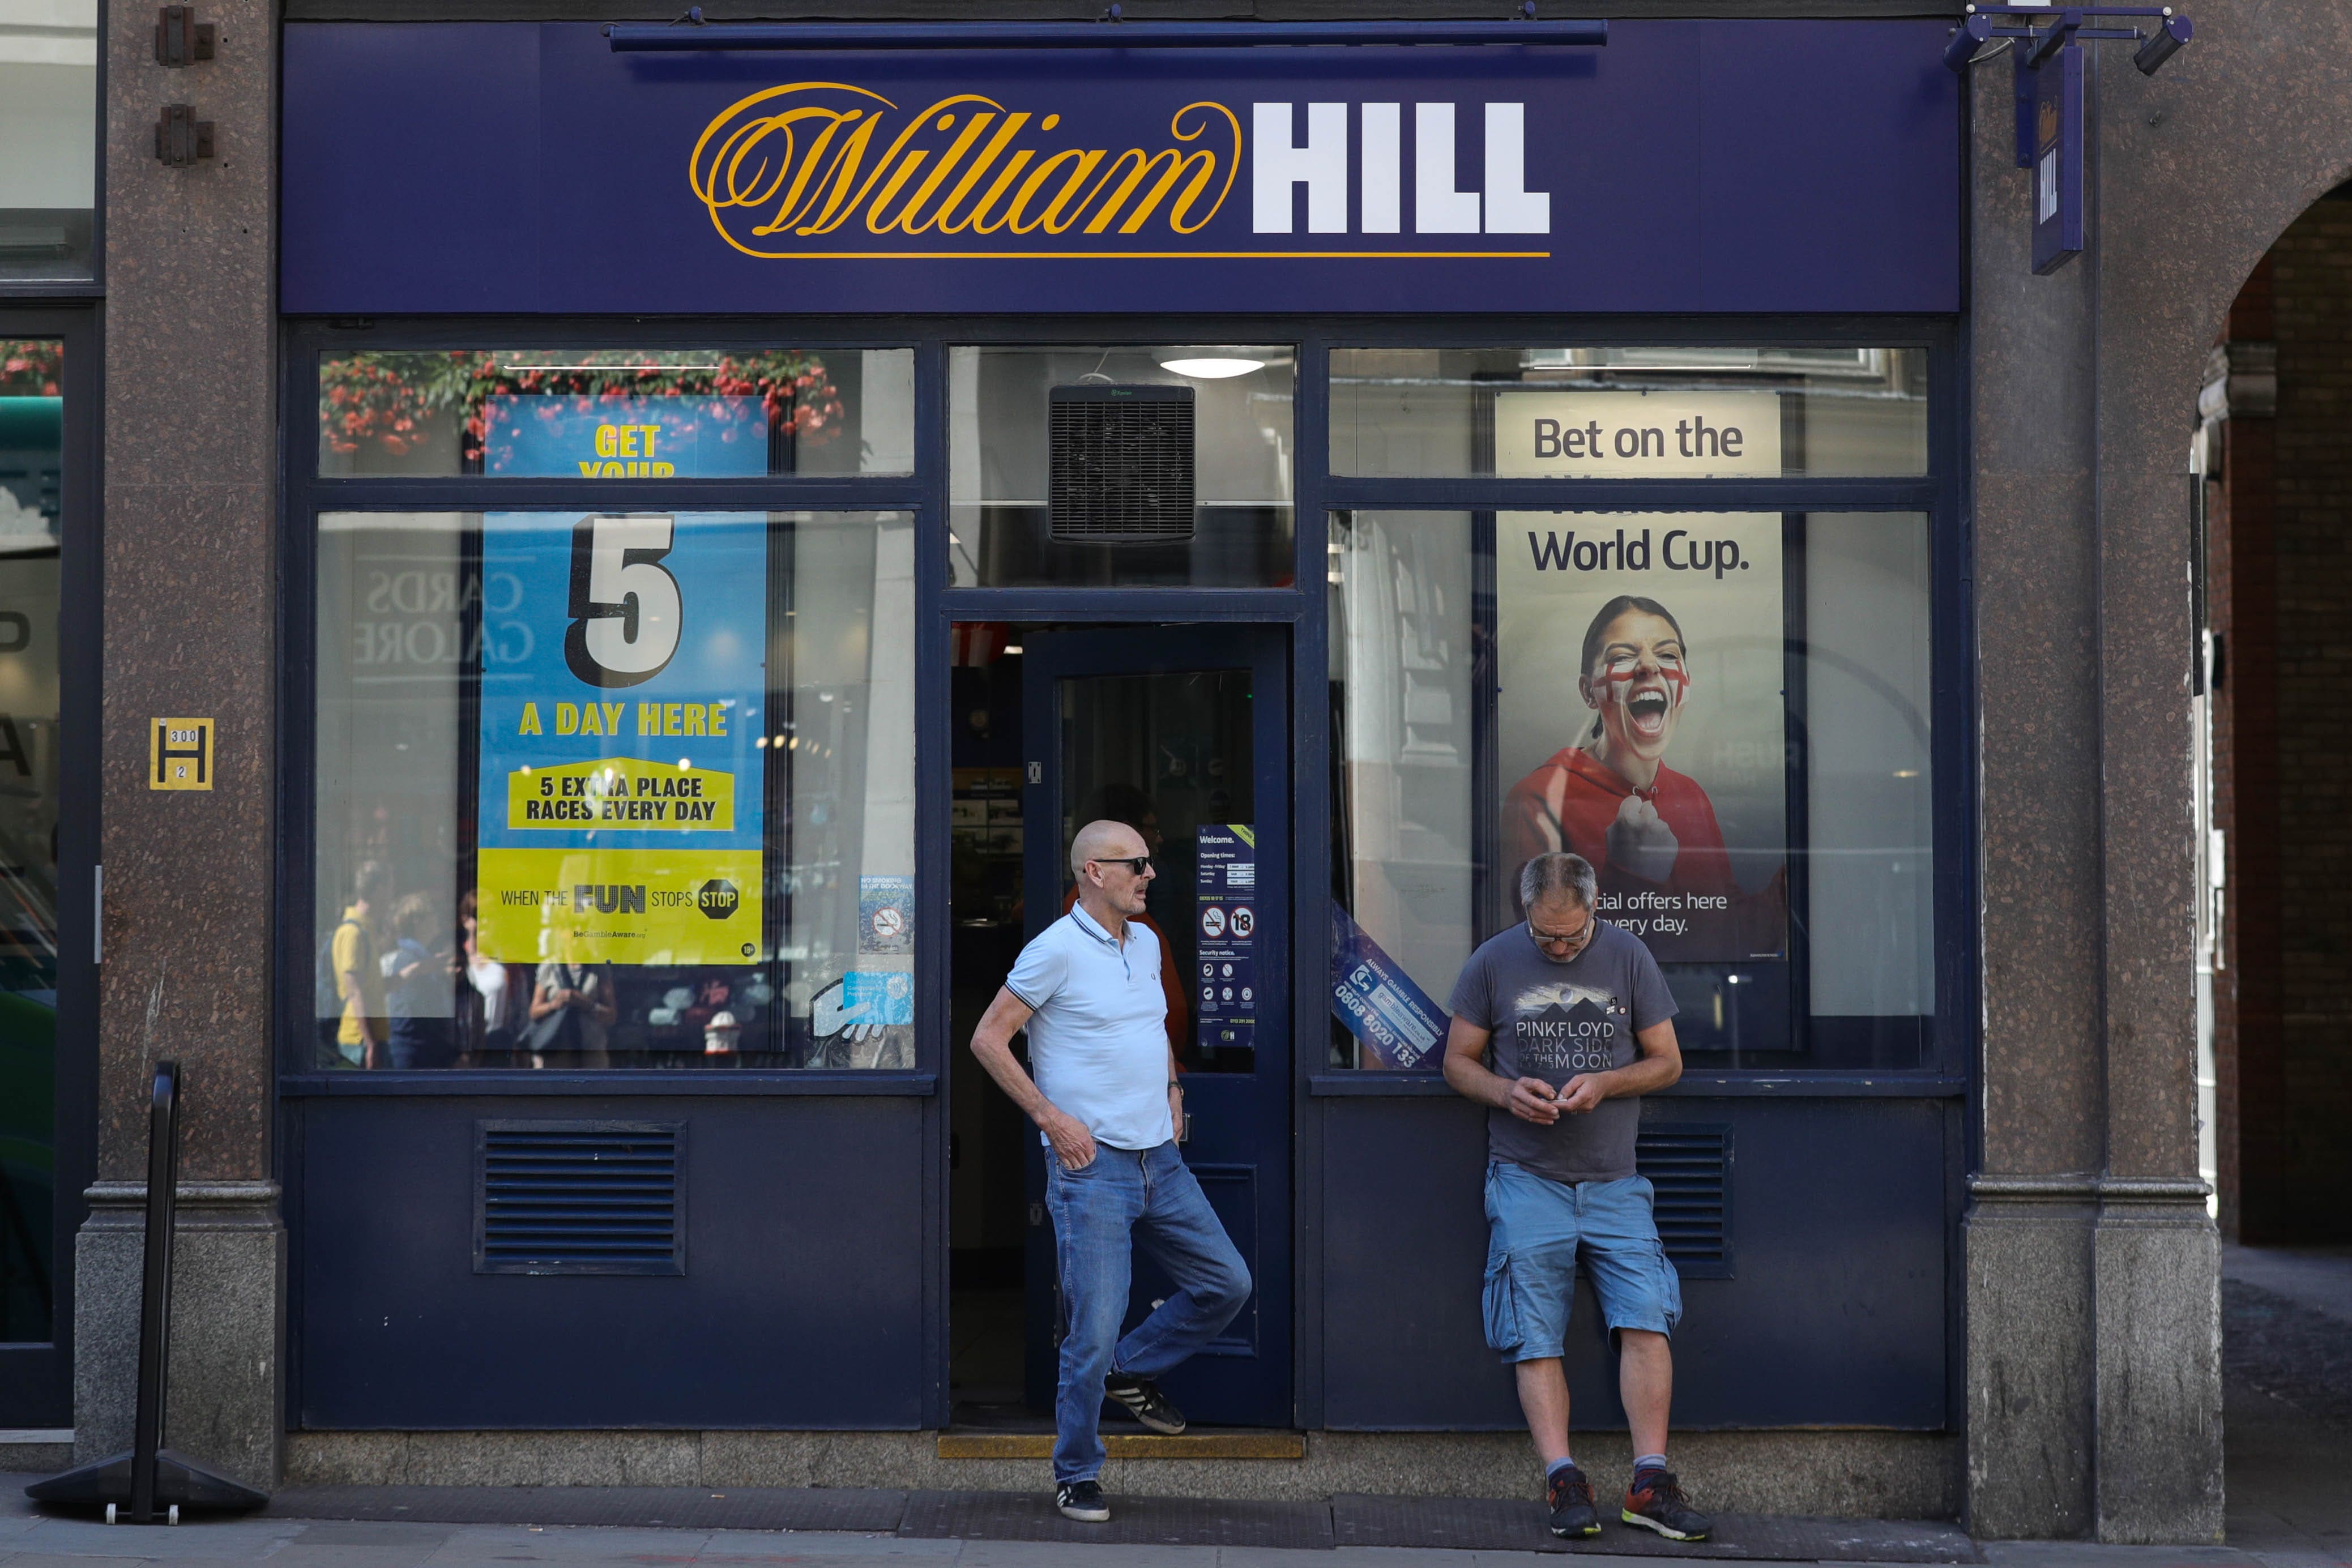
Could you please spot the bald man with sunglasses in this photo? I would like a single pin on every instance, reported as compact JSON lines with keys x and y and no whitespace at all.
{"x":1108,"y":1106}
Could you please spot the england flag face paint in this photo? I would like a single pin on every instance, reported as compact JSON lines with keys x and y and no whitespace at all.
{"x":1639,"y":682}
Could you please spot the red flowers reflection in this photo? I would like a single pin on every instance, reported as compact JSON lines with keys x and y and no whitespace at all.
{"x":393,"y":402}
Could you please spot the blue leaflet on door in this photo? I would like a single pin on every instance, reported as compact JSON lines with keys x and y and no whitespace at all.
{"x":622,"y":788}
{"x":1378,"y":1000}
{"x":1225,"y":927}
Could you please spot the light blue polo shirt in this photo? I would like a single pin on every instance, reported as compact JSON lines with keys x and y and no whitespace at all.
{"x":1098,"y":1037}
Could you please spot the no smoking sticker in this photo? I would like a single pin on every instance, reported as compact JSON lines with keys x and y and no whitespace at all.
{"x":886,"y":914}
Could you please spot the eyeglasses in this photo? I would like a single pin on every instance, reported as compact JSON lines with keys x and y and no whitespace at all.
{"x":1137,"y":865}
{"x":1563,"y":939}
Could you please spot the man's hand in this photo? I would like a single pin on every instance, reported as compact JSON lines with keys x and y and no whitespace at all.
{"x":1581,"y":1094}
{"x":1073,"y":1145}
{"x":1176,"y":1110}
{"x":1530,"y":1100}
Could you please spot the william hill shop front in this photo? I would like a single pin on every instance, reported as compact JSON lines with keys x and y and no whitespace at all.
{"x":752,"y":491}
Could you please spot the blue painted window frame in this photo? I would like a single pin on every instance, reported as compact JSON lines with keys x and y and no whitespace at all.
{"x":1939,"y":494}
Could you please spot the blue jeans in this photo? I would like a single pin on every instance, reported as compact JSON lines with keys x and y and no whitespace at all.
{"x":1099,"y":1211}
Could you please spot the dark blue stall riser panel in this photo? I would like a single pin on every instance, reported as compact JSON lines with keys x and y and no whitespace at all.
{"x":1754,"y":165}
{"x":1834,"y":1314}
{"x":799,"y":1306}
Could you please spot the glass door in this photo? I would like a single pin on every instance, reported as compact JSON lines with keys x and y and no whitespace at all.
{"x":43,"y":1129}
{"x":1180,"y":732}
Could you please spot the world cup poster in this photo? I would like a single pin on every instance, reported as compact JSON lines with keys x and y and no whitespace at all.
{"x":1642,"y":719}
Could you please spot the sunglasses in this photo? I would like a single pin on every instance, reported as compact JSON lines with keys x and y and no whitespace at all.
{"x":1138,"y":865}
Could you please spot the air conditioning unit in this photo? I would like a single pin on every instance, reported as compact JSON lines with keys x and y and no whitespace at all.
{"x":1122,"y":464}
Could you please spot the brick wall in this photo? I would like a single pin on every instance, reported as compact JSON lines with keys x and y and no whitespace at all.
{"x":2282,"y":594}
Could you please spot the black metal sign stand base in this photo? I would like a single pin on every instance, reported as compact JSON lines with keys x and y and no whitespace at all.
{"x":151,"y":1484}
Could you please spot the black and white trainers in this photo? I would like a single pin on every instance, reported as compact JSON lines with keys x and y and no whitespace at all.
{"x":1140,"y":1398}
{"x":1082,"y":1501}
{"x":1655,"y":1502}
{"x":1569,"y":1496}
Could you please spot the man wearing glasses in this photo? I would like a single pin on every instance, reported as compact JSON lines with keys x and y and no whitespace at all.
{"x":1580,"y":1025}
{"x":1106,"y":1103}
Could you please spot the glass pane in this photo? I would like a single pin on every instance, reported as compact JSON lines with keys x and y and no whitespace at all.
{"x":1629,"y":412}
{"x":1400,"y":685}
{"x":615,"y":790}
{"x":1120,"y":467}
{"x":48,"y":126}
{"x":1727,"y":713}
{"x":617,"y":413}
{"x":31,"y":452}
{"x":1170,"y":755}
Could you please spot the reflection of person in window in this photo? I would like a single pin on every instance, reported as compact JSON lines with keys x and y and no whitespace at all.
{"x":1609,"y":796}
{"x":585,"y":989}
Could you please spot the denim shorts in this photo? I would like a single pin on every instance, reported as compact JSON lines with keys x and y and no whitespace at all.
{"x":1538,"y":1227}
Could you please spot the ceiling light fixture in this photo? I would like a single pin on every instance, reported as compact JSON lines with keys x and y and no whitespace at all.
{"x":1212,"y":368}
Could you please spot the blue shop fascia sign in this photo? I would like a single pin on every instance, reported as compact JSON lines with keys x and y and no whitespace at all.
{"x":1750,"y":166}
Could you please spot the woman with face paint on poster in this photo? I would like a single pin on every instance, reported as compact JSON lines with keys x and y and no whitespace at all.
{"x":1609,"y":796}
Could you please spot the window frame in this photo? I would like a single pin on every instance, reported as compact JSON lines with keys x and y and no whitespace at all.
{"x":66,"y":289}
{"x":37,"y":1376}
{"x":308,"y":494}
{"x":1937,"y":494}
{"x":1934,"y":494}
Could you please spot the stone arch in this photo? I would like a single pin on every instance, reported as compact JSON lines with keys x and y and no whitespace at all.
{"x":2092,"y":1265}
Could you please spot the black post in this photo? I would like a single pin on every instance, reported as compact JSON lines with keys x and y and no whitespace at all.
{"x":151,"y":1484}
{"x":156,"y":1300}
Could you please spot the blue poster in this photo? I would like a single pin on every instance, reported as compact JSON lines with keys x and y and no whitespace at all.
{"x":1379,"y":1002}
{"x":1225,"y":919}
{"x":622,"y":782}
{"x":574,"y":436}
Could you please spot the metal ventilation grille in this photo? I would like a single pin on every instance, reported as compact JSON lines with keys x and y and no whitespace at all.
{"x":1122,"y":460}
{"x":578,"y":1198}
{"x":1690,"y":1166}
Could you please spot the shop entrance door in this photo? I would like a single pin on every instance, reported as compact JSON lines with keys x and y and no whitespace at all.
{"x":1183,"y":732}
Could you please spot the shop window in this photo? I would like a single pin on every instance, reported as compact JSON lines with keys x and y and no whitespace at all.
{"x":31,"y":451}
{"x":48,"y":124}
{"x":617,"y":413}
{"x":1120,"y":467}
{"x":1727,"y":713}
{"x":646,"y":775}
{"x":1629,"y":412}
{"x":1403,"y":700}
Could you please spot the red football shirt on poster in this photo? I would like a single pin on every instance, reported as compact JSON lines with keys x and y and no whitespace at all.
{"x":1568,"y":802}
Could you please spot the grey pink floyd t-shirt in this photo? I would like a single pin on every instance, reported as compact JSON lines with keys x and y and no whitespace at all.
{"x":1553,"y":1020}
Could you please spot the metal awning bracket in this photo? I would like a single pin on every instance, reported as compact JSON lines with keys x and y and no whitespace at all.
{"x":2046,"y":42}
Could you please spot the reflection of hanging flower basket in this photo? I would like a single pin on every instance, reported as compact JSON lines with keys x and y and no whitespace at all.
{"x":389,"y":401}
{"x":34,"y":368}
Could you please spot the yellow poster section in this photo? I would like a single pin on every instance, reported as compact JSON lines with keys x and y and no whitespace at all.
{"x":619,"y":906}
{"x":621,"y":792}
